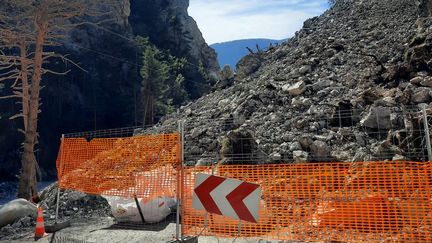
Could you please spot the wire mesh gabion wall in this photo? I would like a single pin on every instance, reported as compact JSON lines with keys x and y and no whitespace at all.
{"x":318,"y":135}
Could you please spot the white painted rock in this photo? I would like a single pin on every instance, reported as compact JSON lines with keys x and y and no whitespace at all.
{"x":15,"y":210}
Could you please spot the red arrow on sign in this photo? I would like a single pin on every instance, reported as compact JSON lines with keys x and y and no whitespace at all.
{"x":203,"y":193}
{"x":228,"y":197}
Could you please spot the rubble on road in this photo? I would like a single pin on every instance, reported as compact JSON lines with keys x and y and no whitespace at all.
{"x":73,"y":205}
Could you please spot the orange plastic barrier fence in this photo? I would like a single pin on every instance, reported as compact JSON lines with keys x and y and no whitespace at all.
{"x":325,"y":202}
{"x":144,"y":166}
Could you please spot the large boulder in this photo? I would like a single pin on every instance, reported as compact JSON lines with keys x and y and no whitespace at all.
{"x":377,"y":118}
{"x":15,"y":210}
{"x":320,"y":150}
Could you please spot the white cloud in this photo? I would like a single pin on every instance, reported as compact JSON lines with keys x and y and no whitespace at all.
{"x":225,"y":20}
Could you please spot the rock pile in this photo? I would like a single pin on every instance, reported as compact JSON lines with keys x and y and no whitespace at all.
{"x":346,"y":87}
{"x":73,"y":205}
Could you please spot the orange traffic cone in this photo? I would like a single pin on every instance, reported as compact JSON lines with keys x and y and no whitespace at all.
{"x":40,"y":227}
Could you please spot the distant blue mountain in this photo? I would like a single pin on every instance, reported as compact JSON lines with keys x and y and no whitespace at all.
{"x":231,"y":52}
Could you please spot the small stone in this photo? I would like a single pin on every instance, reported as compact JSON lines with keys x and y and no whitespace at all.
{"x":295,"y":146}
{"x":16,"y":225}
{"x":389,"y":101}
{"x":7,"y":230}
{"x":427,"y":82}
{"x":223,"y":103}
{"x":295,"y":89}
{"x":334,"y":92}
{"x":421,"y":96}
{"x":398,"y":157}
{"x":360,"y":139}
{"x":296,"y":102}
{"x":197,"y":132}
{"x":416,"y":80}
{"x":300,"y":156}
{"x":341,"y":155}
{"x":305,"y":69}
{"x":188,"y":112}
{"x":307,"y":102}
{"x":276,"y":156}
{"x":26,"y":221}
{"x":305,"y":142}
{"x":320,"y":150}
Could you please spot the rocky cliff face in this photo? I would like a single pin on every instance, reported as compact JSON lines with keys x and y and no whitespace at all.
{"x":345,"y":88}
{"x":169,"y":26}
{"x":107,"y":93}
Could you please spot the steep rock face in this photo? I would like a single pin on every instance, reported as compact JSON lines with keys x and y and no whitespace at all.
{"x":106,"y":94}
{"x":339,"y":90}
{"x":169,"y":26}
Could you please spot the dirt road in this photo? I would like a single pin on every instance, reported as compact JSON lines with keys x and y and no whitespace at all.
{"x":100,"y":230}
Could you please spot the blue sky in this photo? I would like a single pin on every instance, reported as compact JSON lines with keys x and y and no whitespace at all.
{"x":225,"y":20}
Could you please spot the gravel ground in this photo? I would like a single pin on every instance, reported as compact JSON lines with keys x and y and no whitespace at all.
{"x":97,"y":230}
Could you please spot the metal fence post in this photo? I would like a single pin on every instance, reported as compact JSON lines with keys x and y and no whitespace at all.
{"x":182,"y":168}
{"x":178,"y":186}
{"x":58,"y":181}
{"x":427,"y":134}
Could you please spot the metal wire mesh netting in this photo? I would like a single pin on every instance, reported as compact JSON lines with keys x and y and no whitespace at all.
{"x":129,"y":166}
{"x":321,"y":134}
{"x":64,"y":239}
{"x":325,"y":202}
{"x":120,"y":166}
{"x":306,"y":196}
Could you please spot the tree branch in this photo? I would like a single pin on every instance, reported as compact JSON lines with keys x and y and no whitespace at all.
{"x":44,"y":70}
{"x":8,"y":97}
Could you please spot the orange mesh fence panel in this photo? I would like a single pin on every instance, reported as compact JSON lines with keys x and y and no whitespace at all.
{"x":144,"y":166}
{"x":325,"y":202}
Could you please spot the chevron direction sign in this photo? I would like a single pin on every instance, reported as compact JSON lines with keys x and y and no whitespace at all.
{"x":227,"y":197}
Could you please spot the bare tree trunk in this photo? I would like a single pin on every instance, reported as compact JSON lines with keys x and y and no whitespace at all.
{"x":25,"y":83}
{"x":148,"y":109}
{"x":27,"y":183}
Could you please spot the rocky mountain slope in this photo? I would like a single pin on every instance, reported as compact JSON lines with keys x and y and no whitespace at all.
{"x":345,"y":88}
{"x":107,"y":94}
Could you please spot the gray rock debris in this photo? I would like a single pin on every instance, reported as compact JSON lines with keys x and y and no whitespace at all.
{"x":357,"y":57}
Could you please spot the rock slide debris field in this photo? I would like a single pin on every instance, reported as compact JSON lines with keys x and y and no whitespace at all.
{"x":345,"y":88}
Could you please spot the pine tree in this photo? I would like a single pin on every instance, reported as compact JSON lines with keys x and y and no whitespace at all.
{"x":162,"y":85}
